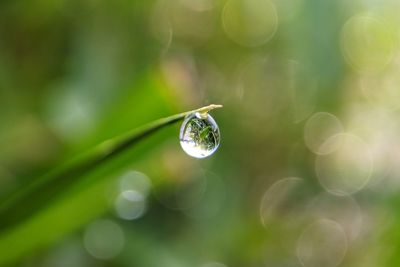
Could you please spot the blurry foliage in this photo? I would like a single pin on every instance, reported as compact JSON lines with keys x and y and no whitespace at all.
{"x":311,"y":104}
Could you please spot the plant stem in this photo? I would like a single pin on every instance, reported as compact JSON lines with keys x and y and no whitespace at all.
{"x":35,"y":195}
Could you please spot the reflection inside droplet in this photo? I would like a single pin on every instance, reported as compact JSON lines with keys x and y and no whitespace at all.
{"x":199,"y":135}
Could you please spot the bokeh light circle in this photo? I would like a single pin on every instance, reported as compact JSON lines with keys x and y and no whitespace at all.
{"x":348,"y":168}
{"x":277,"y":198}
{"x":131,"y":200}
{"x":130,"y":204}
{"x":341,"y":209}
{"x":135,"y":180}
{"x":250,"y":22}
{"x":367,"y":43}
{"x":318,"y":129}
{"x":160,"y":24}
{"x":379,"y":127}
{"x":322,"y":243}
{"x":382,"y":89}
{"x":103,"y":239}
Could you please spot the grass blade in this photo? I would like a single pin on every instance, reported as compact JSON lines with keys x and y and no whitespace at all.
{"x":33,"y":197}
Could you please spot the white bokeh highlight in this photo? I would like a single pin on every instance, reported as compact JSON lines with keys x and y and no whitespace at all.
{"x":348,"y":168}
{"x":131,"y":200}
{"x":250,"y":22}
{"x":103,"y":239}
{"x":318,"y":129}
{"x":322,"y":243}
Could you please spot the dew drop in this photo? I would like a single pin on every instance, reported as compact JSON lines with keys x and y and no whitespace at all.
{"x":199,"y":135}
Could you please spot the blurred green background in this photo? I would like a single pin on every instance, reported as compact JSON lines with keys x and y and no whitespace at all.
{"x":307,"y":173}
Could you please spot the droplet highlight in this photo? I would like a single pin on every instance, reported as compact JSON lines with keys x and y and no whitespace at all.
{"x":199,"y":135}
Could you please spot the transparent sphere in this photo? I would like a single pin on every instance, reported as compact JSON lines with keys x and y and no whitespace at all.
{"x":199,"y":135}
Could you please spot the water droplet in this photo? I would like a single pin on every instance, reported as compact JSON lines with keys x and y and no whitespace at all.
{"x":199,"y":135}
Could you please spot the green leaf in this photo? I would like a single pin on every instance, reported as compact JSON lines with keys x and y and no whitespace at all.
{"x":41,"y":212}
